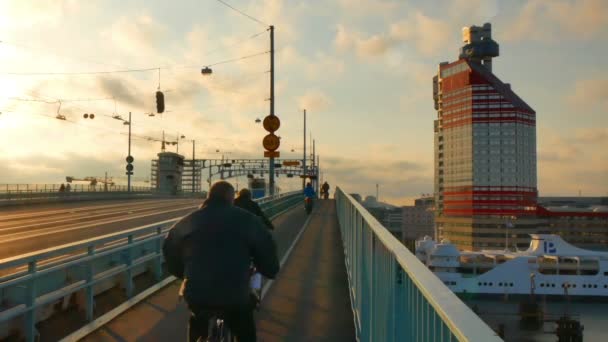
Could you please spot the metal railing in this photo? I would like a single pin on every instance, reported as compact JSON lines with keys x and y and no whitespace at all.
{"x":46,"y":188}
{"x":45,"y":278}
{"x":393,"y":295}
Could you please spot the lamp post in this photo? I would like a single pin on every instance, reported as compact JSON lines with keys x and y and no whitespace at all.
{"x":508,"y":224}
{"x":129,"y":157}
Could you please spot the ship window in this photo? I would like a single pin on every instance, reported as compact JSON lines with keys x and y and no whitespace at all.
{"x":479,"y":284}
{"x":595,"y":286}
{"x":511,"y":284}
{"x":491,"y":284}
{"x":542,"y":284}
{"x":499,"y":284}
{"x":584,"y":286}
{"x":574,"y":285}
{"x":606,"y":274}
{"x":552,"y":285}
{"x":606,"y":286}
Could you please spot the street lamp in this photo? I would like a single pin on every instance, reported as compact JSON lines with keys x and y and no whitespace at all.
{"x":508,"y":224}
{"x":129,"y":157}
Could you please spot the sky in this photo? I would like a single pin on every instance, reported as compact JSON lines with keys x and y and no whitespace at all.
{"x":362,"y":68}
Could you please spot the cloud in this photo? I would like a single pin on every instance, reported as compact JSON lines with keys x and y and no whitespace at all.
{"x":20,"y":13}
{"x":556,"y":20}
{"x":597,"y":136}
{"x":590,"y":93}
{"x":572,"y":161}
{"x":368,"y":7}
{"x":314,"y":100}
{"x":399,"y":180}
{"x":426,"y":34}
{"x":119,"y":89}
{"x":138,"y":35}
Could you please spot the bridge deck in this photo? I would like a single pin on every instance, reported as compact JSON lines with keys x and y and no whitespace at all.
{"x":308,"y":301}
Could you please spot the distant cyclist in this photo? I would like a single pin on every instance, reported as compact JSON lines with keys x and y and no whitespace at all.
{"x":245,"y":202}
{"x":325,"y":190}
{"x":212,"y":250}
{"x":309,"y":191}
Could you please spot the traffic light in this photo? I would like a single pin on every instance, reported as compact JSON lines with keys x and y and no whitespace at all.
{"x":160,"y":102}
{"x":129,"y":167}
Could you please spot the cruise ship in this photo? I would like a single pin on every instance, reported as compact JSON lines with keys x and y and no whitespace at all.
{"x":550,"y":266}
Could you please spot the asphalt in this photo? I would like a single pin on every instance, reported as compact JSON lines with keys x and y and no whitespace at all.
{"x":308,"y":301}
{"x":33,"y":228}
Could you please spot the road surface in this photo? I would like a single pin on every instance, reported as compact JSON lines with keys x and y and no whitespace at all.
{"x":32,"y":228}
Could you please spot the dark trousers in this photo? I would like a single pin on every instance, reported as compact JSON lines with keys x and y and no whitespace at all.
{"x":239,"y":321}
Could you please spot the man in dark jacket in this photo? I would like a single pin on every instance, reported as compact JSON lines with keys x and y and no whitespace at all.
{"x":219,"y":243}
{"x":245,"y":202}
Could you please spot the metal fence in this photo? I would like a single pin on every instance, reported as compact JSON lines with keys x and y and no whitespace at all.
{"x":45,"y":188}
{"x":36,"y":281}
{"x":393,"y":295}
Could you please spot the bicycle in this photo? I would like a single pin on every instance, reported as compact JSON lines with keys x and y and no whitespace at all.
{"x":217,"y":330}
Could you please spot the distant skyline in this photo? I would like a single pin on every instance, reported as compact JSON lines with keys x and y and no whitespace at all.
{"x":362,"y":68}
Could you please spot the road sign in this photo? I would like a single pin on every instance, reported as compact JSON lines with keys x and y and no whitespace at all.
{"x":129,"y":173}
{"x":129,"y":167}
{"x":291,"y":163}
{"x":272,"y":154}
{"x":271,"y":142}
{"x":130,"y":159}
{"x":271,"y":123}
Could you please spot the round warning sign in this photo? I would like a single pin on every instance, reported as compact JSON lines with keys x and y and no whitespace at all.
{"x":271,"y":142}
{"x":271,"y":123}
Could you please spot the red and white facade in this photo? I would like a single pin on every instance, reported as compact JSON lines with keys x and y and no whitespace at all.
{"x":485,"y":145}
{"x":485,"y":158}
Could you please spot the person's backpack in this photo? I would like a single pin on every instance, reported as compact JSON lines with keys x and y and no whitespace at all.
{"x":173,"y":247}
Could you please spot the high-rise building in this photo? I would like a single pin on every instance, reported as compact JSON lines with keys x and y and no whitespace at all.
{"x":485,"y":149}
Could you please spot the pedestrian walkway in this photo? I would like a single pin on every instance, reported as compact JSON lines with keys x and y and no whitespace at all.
{"x":309,"y":300}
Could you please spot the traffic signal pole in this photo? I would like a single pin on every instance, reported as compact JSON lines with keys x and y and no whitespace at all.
{"x":271,"y":159}
{"x":129,"y":154}
{"x":304,"y":155}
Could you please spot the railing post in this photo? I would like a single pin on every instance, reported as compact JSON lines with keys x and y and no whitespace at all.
{"x":90,"y":302}
{"x":30,"y":315}
{"x":158,"y":268}
{"x":129,"y":272}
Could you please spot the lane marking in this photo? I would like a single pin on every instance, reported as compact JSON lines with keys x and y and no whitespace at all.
{"x":2,"y":240}
{"x":132,"y":203}
{"x":84,"y":215}
{"x":286,"y":255}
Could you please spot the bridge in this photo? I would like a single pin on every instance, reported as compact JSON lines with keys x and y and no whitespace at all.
{"x":89,"y":274}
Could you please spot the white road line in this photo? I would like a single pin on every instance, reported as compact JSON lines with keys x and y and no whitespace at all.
{"x":286,"y":255}
{"x":46,"y":232}
{"x":81,"y":216}
{"x":131,"y":203}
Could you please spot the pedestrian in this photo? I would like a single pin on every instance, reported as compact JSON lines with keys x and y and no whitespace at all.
{"x":245,"y":202}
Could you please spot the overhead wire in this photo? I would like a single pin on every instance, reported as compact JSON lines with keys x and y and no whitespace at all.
{"x":129,"y":70}
{"x":242,"y":13}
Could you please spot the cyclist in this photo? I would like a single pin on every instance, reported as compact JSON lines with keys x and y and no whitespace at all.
{"x":309,"y":191}
{"x":309,"y":194}
{"x":245,"y":202}
{"x":219,"y":241}
{"x":325,"y":190}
